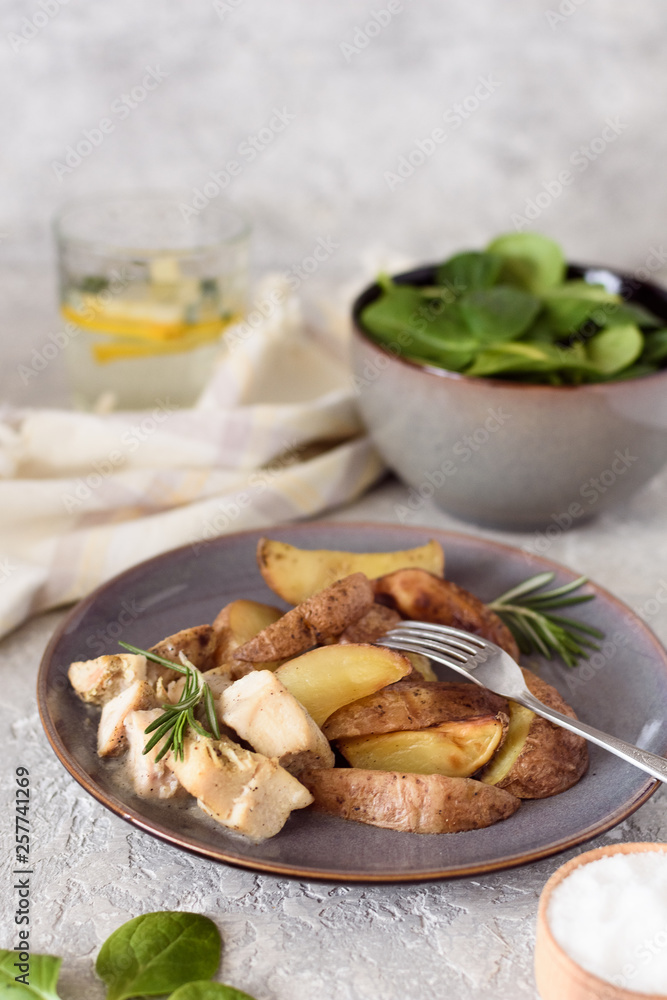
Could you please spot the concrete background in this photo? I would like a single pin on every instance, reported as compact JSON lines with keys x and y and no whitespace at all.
{"x":536,"y":84}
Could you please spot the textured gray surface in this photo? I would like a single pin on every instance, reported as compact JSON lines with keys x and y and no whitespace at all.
{"x":546,"y":85}
{"x":284,"y":939}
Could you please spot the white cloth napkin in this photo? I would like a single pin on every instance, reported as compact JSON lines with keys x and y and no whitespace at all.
{"x":274,"y":437}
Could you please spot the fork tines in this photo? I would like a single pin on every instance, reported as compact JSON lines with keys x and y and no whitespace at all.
{"x":441,"y":638}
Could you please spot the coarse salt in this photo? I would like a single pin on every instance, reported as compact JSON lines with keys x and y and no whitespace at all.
{"x":610,"y":916}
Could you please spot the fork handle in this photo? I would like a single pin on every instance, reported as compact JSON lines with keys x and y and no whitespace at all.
{"x":650,"y":762}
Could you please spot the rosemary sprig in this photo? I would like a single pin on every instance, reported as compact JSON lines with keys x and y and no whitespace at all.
{"x":529,"y":617}
{"x":172,"y":724}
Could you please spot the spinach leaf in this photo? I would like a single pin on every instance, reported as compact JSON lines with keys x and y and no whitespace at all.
{"x":206,"y":990}
{"x":530,"y":261}
{"x":42,"y":977}
{"x":634,"y":371}
{"x":158,"y":952}
{"x":628,"y":312}
{"x":518,"y":357}
{"x":615,"y":348}
{"x":655,"y":349}
{"x":446,"y":322}
{"x":539,"y":332}
{"x":467,"y":272}
{"x":396,"y":311}
{"x":574,"y":302}
{"x":514,"y":357}
{"x":444,"y":294}
{"x":500,"y":313}
{"x":430,"y":347}
{"x":407,"y":323}
{"x":451,"y":356}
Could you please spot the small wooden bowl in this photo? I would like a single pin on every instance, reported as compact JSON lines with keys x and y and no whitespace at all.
{"x":558,"y":976}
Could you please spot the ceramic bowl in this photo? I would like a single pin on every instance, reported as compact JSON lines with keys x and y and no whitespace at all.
{"x":508,"y":455}
{"x":557,"y":975}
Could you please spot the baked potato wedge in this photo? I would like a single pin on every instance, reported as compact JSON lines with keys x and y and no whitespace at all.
{"x":422,"y":596}
{"x":414,"y":803}
{"x":538,"y":758}
{"x":371,"y":626}
{"x":456,"y":749}
{"x":296,"y":574}
{"x":421,"y":667}
{"x":326,"y":678}
{"x":238,"y":623}
{"x":197,"y":643}
{"x":323,"y":616}
{"x":414,"y":704}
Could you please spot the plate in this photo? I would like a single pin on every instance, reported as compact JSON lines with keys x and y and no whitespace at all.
{"x":622,"y":690}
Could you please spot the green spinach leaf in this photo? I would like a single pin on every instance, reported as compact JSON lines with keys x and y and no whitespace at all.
{"x":158,"y":952}
{"x":655,"y":346}
{"x":627,"y":312}
{"x":452,"y":357}
{"x":466,"y":272}
{"x":500,"y":313}
{"x":574,"y":302}
{"x":42,"y":977}
{"x":407,"y":323}
{"x":530,"y":261}
{"x":614,"y":348}
{"x":634,"y":371}
{"x":395,"y":312}
{"x":208,"y":991}
{"x":513,"y":357}
{"x":518,"y":357}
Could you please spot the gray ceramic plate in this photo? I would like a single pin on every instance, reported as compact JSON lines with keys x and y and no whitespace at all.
{"x":626,"y":695}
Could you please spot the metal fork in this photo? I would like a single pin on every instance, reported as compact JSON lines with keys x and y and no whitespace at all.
{"x":491,"y":667}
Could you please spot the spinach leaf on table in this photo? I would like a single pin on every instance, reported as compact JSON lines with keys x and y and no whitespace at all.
{"x":155,"y":953}
{"x":42,"y":977}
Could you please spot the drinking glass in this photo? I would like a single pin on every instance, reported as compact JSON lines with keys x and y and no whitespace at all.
{"x":148,"y":286}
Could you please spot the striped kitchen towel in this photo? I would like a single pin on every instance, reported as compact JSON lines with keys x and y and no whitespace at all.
{"x":275,"y":436}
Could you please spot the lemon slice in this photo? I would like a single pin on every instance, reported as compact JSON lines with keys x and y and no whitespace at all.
{"x":191,"y":336}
